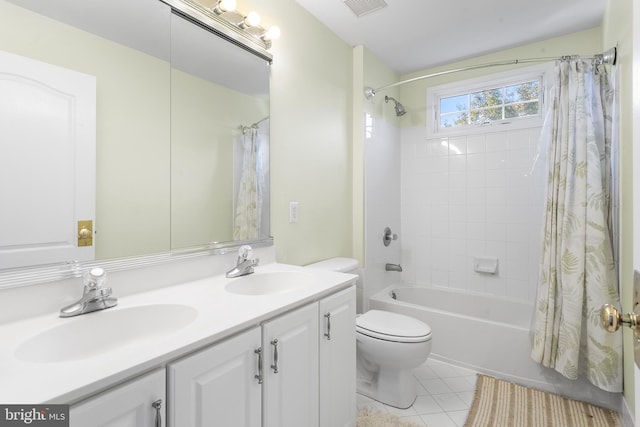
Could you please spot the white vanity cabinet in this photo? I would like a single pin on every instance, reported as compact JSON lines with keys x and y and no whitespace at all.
{"x":267,"y":376}
{"x":290,"y":394}
{"x":137,"y":403}
{"x":338,"y":359}
{"x":285,"y":373}
{"x":218,"y":386}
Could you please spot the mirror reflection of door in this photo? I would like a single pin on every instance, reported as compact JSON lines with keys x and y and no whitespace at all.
{"x":135,"y":51}
{"x":47,"y":162}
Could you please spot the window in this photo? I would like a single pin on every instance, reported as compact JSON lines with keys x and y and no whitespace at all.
{"x":509,"y":99}
{"x":507,"y":102}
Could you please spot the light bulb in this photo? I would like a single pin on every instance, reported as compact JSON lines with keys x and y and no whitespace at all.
{"x":225,"y":6}
{"x":252,"y":19}
{"x":272,"y":33}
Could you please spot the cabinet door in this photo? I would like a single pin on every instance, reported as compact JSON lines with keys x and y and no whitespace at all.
{"x":217,"y":386}
{"x":290,"y":396}
{"x":128,"y":405}
{"x":338,"y":360}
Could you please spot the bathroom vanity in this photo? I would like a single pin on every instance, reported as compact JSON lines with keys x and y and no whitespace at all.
{"x":185,"y":345}
{"x":274,"y":348}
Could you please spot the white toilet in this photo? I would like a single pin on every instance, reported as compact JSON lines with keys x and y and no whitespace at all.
{"x":389,"y":347}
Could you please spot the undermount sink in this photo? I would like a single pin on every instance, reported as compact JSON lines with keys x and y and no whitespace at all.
{"x":101,"y":331}
{"x":270,"y":283}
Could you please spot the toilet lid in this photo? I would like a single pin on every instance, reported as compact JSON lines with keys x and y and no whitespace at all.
{"x":390,"y":326}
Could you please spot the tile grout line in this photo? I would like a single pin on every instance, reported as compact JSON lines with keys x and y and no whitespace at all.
{"x":445,"y":405}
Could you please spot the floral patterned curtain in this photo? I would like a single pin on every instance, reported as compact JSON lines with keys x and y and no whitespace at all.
{"x":577,"y":272}
{"x":247,"y":219}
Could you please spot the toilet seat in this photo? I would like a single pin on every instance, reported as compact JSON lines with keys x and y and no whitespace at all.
{"x":394,"y":327}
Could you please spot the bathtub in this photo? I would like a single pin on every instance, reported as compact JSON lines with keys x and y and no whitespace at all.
{"x":487,"y":334}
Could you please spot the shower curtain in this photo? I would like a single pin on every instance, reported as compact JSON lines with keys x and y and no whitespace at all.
{"x":577,"y":270}
{"x":249,"y":201}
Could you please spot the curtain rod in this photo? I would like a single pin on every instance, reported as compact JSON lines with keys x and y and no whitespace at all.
{"x":260,"y":121}
{"x":607,"y":57}
{"x":254,"y":125}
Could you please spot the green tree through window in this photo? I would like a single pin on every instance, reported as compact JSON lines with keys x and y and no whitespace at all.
{"x":488,"y":105}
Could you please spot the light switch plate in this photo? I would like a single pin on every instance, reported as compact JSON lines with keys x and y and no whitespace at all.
{"x":293,"y":212}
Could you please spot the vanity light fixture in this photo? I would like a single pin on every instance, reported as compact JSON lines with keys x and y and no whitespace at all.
{"x":224,"y":6}
{"x":272,"y":33}
{"x":250,"y":21}
{"x":228,"y":22}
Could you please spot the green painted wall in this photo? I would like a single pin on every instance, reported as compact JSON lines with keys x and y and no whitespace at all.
{"x":311,"y":159}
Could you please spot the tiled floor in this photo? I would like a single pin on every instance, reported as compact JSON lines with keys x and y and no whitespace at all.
{"x":444,"y":391}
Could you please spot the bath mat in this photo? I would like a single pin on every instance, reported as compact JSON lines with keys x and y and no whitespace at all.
{"x":498,"y":403}
{"x":371,"y":418}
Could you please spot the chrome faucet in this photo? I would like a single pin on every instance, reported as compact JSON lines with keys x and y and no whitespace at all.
{"x":94,"y":297}
{"x":392,"y":267}
{"x":244,"y":264}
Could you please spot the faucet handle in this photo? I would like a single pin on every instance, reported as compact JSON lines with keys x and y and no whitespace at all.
{"x":104,"y":292}
{"x":96,"y":294}
{"x":244,"y":252}
{"x":95,"y":278}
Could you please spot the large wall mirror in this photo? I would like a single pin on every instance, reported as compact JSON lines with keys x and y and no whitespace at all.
{"x":182,"y":131}
{"x":219,"y":139}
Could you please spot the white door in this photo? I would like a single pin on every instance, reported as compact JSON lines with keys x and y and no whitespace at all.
{"x":140,"y":402}
{"x":636,"y":176}
{"x":217,"y":386}
{"x":290,"y":342}
{"x":338,"y":359}
{"x":47,"y":161}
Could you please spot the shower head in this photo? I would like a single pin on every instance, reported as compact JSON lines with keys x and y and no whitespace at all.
{"x":400,"y":111}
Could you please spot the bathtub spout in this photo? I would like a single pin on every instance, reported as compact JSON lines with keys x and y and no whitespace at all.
{"x":393,"y":267}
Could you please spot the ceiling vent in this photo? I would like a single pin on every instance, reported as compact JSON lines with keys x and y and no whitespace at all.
{"x":364,"y":7}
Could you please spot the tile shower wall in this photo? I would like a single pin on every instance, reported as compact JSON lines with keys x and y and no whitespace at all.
{"x":472,"y":196}
{"x":382,"y":163}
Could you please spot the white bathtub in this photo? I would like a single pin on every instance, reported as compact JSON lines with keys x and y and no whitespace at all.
{"x":488,"y":335}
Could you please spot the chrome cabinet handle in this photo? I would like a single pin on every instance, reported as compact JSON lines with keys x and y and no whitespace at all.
{"x":158,"y":407}
{"x":258,"y":376}
{"x":274,"y":343}
{"x":328,"y":333}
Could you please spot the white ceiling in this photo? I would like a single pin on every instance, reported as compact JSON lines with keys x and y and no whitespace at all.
{"x":411,"y":35}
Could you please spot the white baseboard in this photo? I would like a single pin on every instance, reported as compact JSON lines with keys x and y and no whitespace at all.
{"x":627,"y":416}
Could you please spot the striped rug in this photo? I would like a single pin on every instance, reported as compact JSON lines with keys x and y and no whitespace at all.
{"x":498,"y":403}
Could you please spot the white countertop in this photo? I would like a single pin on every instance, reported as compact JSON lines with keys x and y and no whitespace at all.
{"x":219,"y":314}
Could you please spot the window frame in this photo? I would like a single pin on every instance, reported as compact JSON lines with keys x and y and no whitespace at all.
{"x":542,"y":73}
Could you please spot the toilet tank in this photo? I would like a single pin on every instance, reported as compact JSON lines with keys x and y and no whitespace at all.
{"x":344,"y":265}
